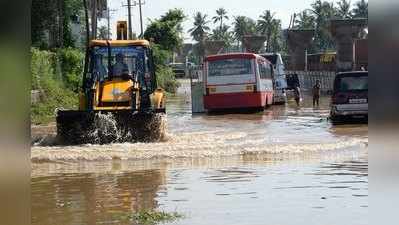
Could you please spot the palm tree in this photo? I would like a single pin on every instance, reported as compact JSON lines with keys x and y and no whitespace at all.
{"x":223,"y":35}
{"x":304,"y":20}
{"x":361,"y":9}
{"x":243,"y":26}
{"x":200,"y":29}
{"x":344,"y":9}
{"x":323,"y":11}
{"x":267,"y":26}
{"x":221,"y":14}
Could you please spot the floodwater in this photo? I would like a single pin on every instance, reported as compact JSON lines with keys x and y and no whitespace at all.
{"x":287,"y":165}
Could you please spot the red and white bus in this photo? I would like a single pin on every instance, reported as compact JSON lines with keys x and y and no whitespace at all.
{"x":237,"y":81}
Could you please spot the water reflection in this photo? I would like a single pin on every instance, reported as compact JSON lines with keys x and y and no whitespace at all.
{"x":230,"y":169}
{"x":93,"y":198}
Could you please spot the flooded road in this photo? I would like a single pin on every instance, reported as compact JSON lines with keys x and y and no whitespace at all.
{"x":287,"y":165}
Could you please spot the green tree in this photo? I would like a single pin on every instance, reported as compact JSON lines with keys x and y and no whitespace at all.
{"x":344,"y":9}
{"x":243,"y":26}
{"x":269,"y":26}
{"x":103,"y":33}
{"x":223,"y":34}
{"x":201,"y":28}
{"x":304,"y":21}
{"x":199,"y":33}
{"x":54,"y":18}
{"x":166,"y":31}
{"x":175,"y":16}
{"x":221,"y":14}
{"x":361,"y":9}
{"x":323,"y":12}
{"x":276,"y":39}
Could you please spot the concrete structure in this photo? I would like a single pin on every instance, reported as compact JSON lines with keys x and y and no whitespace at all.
{"x":213,"y":47}
{"x":344,"y":33}
{"x":361,"y":54}
{"x":253,"y":43}
{"x":183,"y":52}
{"x":298,"y":42}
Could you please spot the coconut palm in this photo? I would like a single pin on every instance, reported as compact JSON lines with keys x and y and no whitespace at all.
{"x":223,"y":35}
{"x":221,"y":14}
{"x":200,"y":29}
{"x":323,"y":12}
{"x":344,"y":9}
{"x":268,"y":26}
{"x":304,"y":20}
{"x":361,"y":9}
{"x":243,"y":26}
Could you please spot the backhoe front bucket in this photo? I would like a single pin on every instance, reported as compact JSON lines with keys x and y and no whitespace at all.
{"x":104,"y":127}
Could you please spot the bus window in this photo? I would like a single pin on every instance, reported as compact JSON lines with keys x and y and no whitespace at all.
{"x":265,"y":71}
{"x":229,"y":67}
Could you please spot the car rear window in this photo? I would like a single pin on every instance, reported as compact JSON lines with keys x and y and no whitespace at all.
{"x":355,"y":82}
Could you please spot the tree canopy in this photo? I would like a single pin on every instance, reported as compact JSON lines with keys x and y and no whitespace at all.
{"x":167,"y":31}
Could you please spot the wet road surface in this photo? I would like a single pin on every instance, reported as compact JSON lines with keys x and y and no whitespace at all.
{"x":287,"y":165}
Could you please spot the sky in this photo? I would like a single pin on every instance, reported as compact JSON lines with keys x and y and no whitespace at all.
{"x":153,"y":9}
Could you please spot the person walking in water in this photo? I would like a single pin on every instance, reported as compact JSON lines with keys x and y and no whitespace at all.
{"x":316,"y":93}
{"x":297,"y":94}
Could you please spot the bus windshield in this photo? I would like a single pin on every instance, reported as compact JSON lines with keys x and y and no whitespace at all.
{"x":230,"y":67}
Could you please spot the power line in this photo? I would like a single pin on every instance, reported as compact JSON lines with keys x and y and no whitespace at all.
{"x":109,"y":21}
{"x":129,"y":10}
{"x":139,"y":3}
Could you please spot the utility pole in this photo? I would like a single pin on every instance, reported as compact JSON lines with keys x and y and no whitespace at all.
{"x":109,"y":21}
{"x":129,"y":6}
{"x":93,"y":10}
{"x":141,"y":19}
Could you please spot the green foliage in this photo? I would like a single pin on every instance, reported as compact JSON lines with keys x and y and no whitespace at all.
{"x":102,"y":33}
{"x":201,"y":28}
{"x":152,"y":217}
{"x":243,"y":26}
{"x":147,"y":217}
{"x":167,"y":31}
{"x":344,"y":9}
{"x":166,"y":79}
{"x":270,"y":27}
{"x":166,"y":36}
{"x":54,"y":93}
{"x":44,"y":17}
{"x":361,"y":9}
{"x":305,"y":21}
{"x":72,"y":63}
{"x":221,"y":14}
{"x":223,"y":34}
{"x":165,"y":76}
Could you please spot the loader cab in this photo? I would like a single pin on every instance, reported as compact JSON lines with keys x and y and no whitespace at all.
{"x":117,"y":69}
{"x":122,"y":59}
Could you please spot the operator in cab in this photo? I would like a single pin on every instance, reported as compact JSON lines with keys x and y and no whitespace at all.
{"x":120,"y":68}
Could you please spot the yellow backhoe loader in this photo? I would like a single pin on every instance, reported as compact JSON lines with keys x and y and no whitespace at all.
{"x":119,"y":101}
